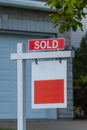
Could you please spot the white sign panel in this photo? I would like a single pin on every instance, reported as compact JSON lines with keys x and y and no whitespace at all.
{"x":49,"y":84}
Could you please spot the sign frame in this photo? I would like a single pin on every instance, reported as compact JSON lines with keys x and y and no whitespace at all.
{"x":49,"y":74}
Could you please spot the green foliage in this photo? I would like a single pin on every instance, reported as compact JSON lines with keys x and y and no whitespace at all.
{"x":68,"y":13}
{"x":80,"y":74}
{"x":80,"y":60}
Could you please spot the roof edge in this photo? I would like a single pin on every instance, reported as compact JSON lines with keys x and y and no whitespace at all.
{"x":26,"y":4}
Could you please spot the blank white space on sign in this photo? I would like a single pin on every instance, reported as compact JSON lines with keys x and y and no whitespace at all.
{"x":49,"y":84}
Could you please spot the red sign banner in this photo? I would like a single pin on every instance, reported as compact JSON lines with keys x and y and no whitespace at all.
{"x":48,"y":91}
{"x":47,"y":44}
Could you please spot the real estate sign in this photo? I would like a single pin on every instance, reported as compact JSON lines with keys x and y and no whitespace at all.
{"x":49,"y":84}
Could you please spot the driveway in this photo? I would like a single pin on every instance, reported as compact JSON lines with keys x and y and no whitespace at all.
{"x":48,"y":125}
{"x":58,"y":125}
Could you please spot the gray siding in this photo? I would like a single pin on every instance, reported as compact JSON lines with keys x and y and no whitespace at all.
{"x":68,"y":113}
{"x":77,"y":36}
{"x":30,"y":21}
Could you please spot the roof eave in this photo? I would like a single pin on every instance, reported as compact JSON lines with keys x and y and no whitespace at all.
{"x":26,"y":4}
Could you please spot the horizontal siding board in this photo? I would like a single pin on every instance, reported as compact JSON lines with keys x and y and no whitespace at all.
{"x":4,"y":108}
{"x":4,"y":97}
{"x":4,"y":87}
{"x":32,"y":21}
{"x":31,"y":25}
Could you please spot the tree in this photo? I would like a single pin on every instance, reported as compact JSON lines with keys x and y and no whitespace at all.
{"x":68,"y":13}
{"x":80,"y":75}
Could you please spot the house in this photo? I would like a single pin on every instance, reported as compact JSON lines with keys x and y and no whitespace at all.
{"x":76,"y":37}
{"x":21,"y":20}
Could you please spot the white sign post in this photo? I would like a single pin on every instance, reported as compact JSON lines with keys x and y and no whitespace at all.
{"x":21,"y":80}
{"x":21,"y":58}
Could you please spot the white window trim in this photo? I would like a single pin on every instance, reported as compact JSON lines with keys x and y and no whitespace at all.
{"x":26,"y":4}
